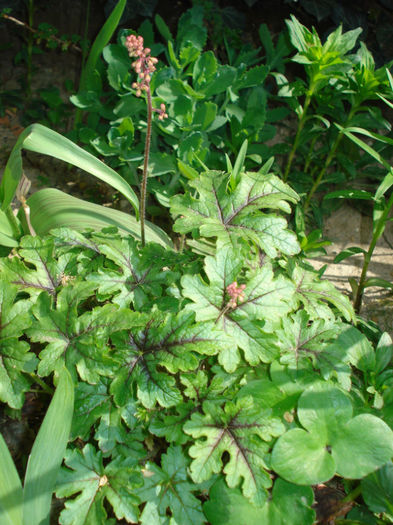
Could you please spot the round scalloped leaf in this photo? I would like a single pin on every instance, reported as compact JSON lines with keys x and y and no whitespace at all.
{"x":322,"y":407}
{"x":228,"y":506}
{"x":363,"y":445}
{"x":377,"y":490}
{"x":301,"y":457}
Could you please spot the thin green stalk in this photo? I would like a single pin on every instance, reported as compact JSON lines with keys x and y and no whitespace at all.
{"x":85,"y":35}
{"x":309,"y":154}
{"x":30,"y":41}
{"x":353,"y":495}
{"x":357,"y":302}
{"x":321,"y":174}
{"x":16,"y":230}
{"x":145,"y":166}
{"x":295,"y":145}
{"x":329,"y":159}
{"x":42,"y":383}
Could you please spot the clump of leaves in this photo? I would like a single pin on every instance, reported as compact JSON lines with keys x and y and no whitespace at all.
{"x":230,"y":378}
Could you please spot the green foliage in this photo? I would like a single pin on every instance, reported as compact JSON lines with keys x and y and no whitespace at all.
{"x":32,"y":503}
{"x":217,"y":376}
{"x":181,"y":394}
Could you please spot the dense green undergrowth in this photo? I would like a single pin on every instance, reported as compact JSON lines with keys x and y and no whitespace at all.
{"x":193,"y":405}
{"x":205,"y":374}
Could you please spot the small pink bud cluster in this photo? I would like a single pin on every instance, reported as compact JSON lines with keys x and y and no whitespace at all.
{"x":161,"y":112}
{"x":144,"y":66}
{"x":236,"y":293}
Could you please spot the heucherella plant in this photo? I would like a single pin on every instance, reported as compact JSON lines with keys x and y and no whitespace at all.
{"x":218,"y":379}
{"x":144,"y":66}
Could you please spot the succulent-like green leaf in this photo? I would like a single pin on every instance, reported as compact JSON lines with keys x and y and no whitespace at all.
{"x":170,"y":487}
{"x":326,"y":412}
{"x":227,"y":506}
{"x":377,"y":490}
{"x":11,"y":493}
{"x":235,"y":215}
{"x":15,"y":358}
{"x":47,"y":454}
{"x":241,"y":429}
{"x":41,"y":139}
{"x":52,"y":208}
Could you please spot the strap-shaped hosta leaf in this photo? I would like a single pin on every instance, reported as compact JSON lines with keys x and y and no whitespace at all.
{"x":266,"y":298}
{"x":15,"y":357}
{"x":136,"y":277}
{"x":48,"y":272}
{"x":236,"y":215}
{"x":79,"y":341}
{"x":242,"y":430}
{"x":303,"y":340}
{"x":170,"y":487}
{"x":173,"y":342}
{"x":87,"y":477}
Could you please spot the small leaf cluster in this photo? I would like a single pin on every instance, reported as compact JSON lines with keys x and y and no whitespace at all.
{"x":191,"y":408}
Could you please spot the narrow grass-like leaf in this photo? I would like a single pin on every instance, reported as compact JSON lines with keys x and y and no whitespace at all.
{"x":11,"y":498}
{"x":239,"y":163}
{"x":41,"y":139}
{"x":368,"y":149}
{"x":6,"y":233}
{"x":375,"y":281}
{"x":47,"y":454}
{"x":51,"y":208}
{"x":100,"y":42}
{"x":386,"y":184}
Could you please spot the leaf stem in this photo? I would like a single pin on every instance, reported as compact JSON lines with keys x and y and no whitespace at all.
{"x":145,"y":166}
{"x":41,"y":383}
{"x":353,"y":495}
{"x":300,"y":127}
{"x":378,"y":230}
{"x":329,"y":159}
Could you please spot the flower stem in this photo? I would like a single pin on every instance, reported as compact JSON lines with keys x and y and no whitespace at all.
{"x":145,"y":166}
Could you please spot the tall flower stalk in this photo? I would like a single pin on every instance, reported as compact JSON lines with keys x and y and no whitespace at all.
{"x":144,"y":67}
